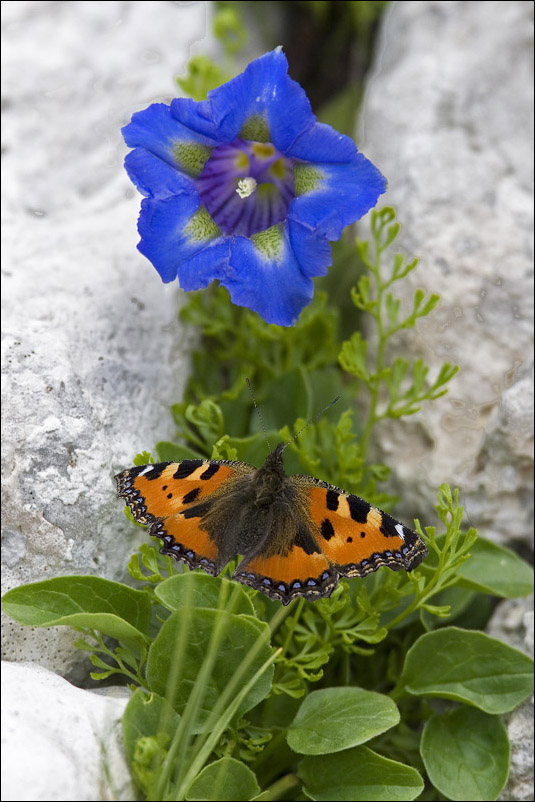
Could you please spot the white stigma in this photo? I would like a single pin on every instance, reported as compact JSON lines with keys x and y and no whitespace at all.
{"x":246,"y":187}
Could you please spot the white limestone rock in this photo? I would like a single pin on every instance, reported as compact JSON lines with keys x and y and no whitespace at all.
{"x":512,"y":622}
{"x":448,"y":119}
{"x":60,"y":742}
{"x":92,"y":352}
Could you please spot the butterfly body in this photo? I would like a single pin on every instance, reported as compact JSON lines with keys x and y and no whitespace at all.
{"x":297,"y":535}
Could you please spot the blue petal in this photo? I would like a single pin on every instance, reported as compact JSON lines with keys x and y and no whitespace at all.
{"x":344,"y":195}
{"x":207,"y":264}
{"x":164,"y":227}
{"x":274,"y":288}
{"x":158,"y":132}
{"x":312,"y":250}
{"x":155,"y":178}
{"x":321,"y":143}
{"x":265,"y":89}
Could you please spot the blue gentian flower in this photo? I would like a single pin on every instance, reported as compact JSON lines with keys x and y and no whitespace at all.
{"x":248,"y":188}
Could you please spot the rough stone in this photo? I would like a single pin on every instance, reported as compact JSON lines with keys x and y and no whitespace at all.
{"x":448,"y":119}
{"x":512,"y":622}
{"x":60,"y":742}
{"x":92,"y":352}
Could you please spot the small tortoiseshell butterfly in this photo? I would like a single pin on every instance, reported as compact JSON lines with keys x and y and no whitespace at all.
{"x":298,"y":535}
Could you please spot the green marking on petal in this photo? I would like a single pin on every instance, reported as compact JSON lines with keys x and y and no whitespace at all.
{"x":279,"y":169}
{"x":201,"y":226}
{"x":269,"y":242}
{"x":242,"y":161}
{"x":306,"y":179}
{"x":256,"y":128}
{"x":191,"y":157}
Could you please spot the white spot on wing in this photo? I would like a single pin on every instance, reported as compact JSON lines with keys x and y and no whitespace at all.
{"x":147,"y":469}
{"x":399,"y":530}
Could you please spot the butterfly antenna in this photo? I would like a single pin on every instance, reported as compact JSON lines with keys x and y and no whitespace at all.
{"x":314,"y":419}
{"x":258,"y":412}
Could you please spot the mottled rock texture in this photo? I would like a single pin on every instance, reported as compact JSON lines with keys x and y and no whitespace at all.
{"x":92,"y":354}
{"x":513,"y":623}
{"x":448,"y":119}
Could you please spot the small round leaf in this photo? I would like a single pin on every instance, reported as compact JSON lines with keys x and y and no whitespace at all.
{"x":333,"y":719}
{"x":466,"y":754}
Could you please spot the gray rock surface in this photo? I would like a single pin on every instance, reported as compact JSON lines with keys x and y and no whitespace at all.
{"x":512,"y":622}
{"x":59,"y":742}
{"x":448,"y":119}
{"x":92,"y":352}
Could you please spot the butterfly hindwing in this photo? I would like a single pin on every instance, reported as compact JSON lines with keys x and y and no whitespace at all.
{"x":290,"y":564}
{"x":174,"y":498}
{"x":355,"y":536}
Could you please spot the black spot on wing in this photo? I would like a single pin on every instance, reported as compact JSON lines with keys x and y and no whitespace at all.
{"x":186,"y":468}
{"x":191,"y":496}
{"x":358,"y":508}
{"x":156,"y":471}
{"x":198,"y":511}
{"x":305,"y":540}
{"x":388,"y":525}
{"x":327,"y":529}
{"x":332,"y":500}
{"x":210,"y":471}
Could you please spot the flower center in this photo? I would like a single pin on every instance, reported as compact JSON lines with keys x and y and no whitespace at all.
{"x":246,"y":187}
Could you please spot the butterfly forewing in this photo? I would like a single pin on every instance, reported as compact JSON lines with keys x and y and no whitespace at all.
{"x":173,"y":498}
{"x":355,"y":536}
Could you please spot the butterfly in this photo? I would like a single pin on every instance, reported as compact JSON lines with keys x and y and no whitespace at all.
{"x":297,"y":535}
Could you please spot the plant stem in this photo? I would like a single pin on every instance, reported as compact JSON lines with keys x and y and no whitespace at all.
{"x":280,"y":787}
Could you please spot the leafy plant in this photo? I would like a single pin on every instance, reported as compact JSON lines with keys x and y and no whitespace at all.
{"x":376,"y":691}
{"x":233,"y":694}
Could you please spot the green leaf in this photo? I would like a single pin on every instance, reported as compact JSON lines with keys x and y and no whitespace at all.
{"x":226,"y":778}
{"x":353,"y":356}
{"x":358,"y":774}
{"x":286,"y":397}
{"x":230,"y":30}
{"x":144,"y":458}
{"x":176,"y":658}
{"x":207,"y":418}
{"x":497,"y":570}
{"x":202,"y":75}
{"x":147,"y":714}
{"x":200,"y":590}
{"x":333,"y":719}
{"x":392,"y":309}
{"x":469,"y":667}
{"x":172,"y":452}
{"x":147,"y":557}
{"x":466,"y":754}
{"x":456,"y":599}
{"x":149,"y":725}
{"x":86,"y":602}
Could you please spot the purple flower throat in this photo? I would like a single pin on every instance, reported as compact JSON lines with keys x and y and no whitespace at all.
{"x":246,"y":186}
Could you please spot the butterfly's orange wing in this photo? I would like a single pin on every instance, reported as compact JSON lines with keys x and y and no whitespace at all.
{"x":356,"y":537}
{"x":299,"y":571}
{"x":172,"y":498}
{"x":329,"y":534}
